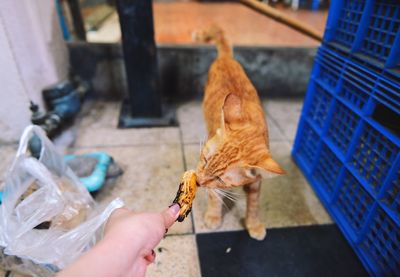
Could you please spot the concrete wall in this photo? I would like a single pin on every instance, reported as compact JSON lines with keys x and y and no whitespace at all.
{"x":33,"y":55}
{"x":274,"y":71}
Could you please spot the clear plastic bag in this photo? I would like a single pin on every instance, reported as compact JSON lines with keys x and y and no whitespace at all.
{"x":47,"y":217}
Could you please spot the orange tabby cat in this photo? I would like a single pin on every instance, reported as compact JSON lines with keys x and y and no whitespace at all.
{"x":237,"y":151}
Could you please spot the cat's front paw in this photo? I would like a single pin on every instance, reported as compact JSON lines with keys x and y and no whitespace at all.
{"x":212,"y":221}
{"x":256,"y":230}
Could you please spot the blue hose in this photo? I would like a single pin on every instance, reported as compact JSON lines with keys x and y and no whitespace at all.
{"x":96,"y":180}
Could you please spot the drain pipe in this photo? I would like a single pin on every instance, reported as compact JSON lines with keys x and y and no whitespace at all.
{"x":64,"y":102}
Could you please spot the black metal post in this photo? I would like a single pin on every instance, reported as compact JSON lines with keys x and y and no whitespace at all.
{"x":144,"y":105}
{"x":76,"y":14}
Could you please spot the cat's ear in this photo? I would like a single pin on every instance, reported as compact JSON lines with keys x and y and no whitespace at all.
{"x":268,"y":168}
{"x":232,"y":110}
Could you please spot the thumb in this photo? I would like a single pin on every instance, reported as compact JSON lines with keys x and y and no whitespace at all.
{"x":170,"y":215}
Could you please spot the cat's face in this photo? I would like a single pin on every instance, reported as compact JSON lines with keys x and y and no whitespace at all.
{"x":237,"y":154}
{"x":224,"y":163}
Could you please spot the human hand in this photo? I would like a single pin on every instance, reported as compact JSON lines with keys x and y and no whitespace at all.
{"x":139,"y":234}
{"x":127,"y":246}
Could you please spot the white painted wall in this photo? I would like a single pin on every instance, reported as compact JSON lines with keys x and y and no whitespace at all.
{"x":33,"y":55}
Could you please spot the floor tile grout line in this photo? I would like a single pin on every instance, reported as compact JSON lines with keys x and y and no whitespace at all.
{"x":185,"y":168}
{"x":276,"y":121}
{"x":191,"y":214}
{"x":270,"y":117}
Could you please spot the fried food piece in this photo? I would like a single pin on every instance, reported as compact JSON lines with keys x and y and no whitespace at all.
{"x":186,"y":193}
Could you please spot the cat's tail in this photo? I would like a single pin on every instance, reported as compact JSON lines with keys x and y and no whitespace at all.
{"x":216,"y":34}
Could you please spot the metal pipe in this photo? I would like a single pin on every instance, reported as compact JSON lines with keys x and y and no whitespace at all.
{"x":283,"y":18}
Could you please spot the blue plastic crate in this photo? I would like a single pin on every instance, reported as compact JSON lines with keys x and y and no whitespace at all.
{"x":381,"y":244}
{"x":353,"y":203}
{"x":388,"y":93}
{"x":328,"y":69}
{"x":343,"y":21}
{"x":383,"y":27}
{"x":326,"y":172}
{"x":356,"y":82}
{"x":319,"y":109}
{"x":357,"y":86}
{"x":391,"y":194}
{"x":373,"y":157}
{"x":344,"y":123}
{"x":368,"y":30}
{"x":309,"y":141}
{"x":350,"y":154}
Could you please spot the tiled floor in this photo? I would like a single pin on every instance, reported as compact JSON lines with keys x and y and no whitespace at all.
{"x":176,"y":256}
{"x":153,"y":161}
{"x":174,"y":23}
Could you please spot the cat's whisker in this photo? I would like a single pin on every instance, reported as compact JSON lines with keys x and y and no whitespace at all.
{"x":227,"y":195}
{"x":233,"y":193}
{"x":212,"y":191}
{"x":202,"y":141}
{"x":217,"y":193}
{"x":218,"y":196}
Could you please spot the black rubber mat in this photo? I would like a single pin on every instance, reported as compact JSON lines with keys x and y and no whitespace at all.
{"x":300,"y":251}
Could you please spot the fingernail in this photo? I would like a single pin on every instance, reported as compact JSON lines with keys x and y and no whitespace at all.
{"x":175,"y":209}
